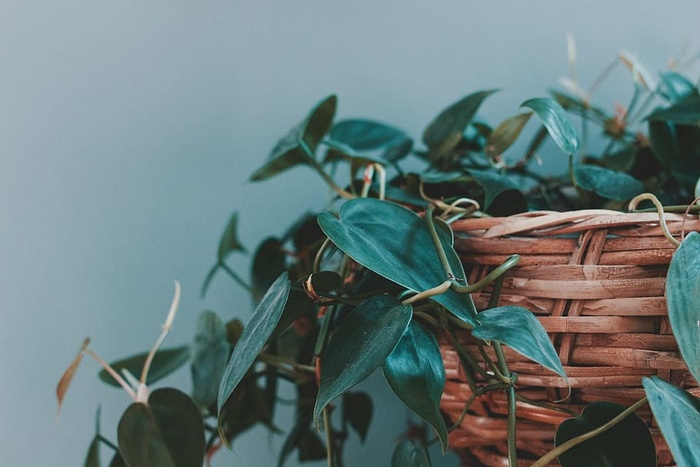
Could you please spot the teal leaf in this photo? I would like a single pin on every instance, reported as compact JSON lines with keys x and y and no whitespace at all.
{"x":365,"y":135}
{"x":291,"y":150}
{"x":164,"y":362}
{"x":520,"y":330}
{"x":678,"y":416}
{"x":627,"y":443}
{"x":92,"y":459}
{"x":410,"y":453}
{"x":505,"y":134}
{"x":607,"y":183}
{"x":254,"y":337}
{"x":496,"y":185}
{"x":166,"y":432}
{"x":357,"y":411}
{"x":676,"y":87}
{"x":576,"y":105}
{"x":683,"y":300}
{"x":210,"y":355}
{"x":686,"y":112}
{"x":229,"y":239}
{"x":415,"y":372}
{"x":359,"y":345}
{"x":269,"y":261}
{"x":556,"y":121}
{"x":446,"y":130}
{"x":394,"y":242}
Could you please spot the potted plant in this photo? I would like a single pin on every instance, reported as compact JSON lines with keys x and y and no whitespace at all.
{"x":402,"y":273}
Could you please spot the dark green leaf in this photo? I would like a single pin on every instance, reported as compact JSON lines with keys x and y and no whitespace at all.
{"x":166,"y":432}
{"x":607,"y":183}
{"x":627,"y":443}
{"x":495,"y":185}
{"x":254,"y":338}
{"x":357,"y":411}
{"x":93,"y":455}
{"x":229,"y":239}
{"x":269,"y":262}
{"x":415,"y":372}
{"x":398,"y":151}
{"x":519,"y":329}
{"x":445,"y":132}
{"x":325,"y":281}
{"x":556,"y":121}
{"x":210,"y":354}
{"x":359,"y":345}
{"x":678,"y":416}
{"x":683,"y":299}
{"x":395,"y":243}
{"x":117,"y":461}
{"x":622,"y":160}
{"x":311,"y":448}
{"x":410,"y":453}
{"x":577,"y":106}
{"x":164,"y":362}
{"x":505,"y":134}
{"x":686,"y":112}
{"x":289,"y":151}
{"x":677,"y":87}
{"x":364,"y":135}
{"x":247,"y":406}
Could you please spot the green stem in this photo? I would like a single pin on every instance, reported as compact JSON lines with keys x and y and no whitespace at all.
{"x":235,"y":277}
{"x":107,"y":442}
{"x":466,"y":358}
{"x":512,"y":424}
{"x":562,"y":448}
{"x":322,"y":338}
{"x":426,"y":317}
{"x":326,"y":178}
{"x":319,"y":255}
{"x":545,"y":405}
{"x":329,"y":435}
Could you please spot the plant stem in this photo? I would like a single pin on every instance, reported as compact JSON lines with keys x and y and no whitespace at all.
{"x":117,"y":377}
{"x":326,"y":178}
{"x":235,"y":277}
{"x":107,"y":442}
{"x":546,"y":405}
{"x":319,"y":255}
{"x":562,"y":448}
{"x":166,"y":329}
{"x":437,"y":290}
{"x":512,"y":424}
{"x":329,"y":435}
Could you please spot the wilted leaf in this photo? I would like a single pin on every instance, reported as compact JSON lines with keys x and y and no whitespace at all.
{"x":359,"y":345}
{"x":410,"y":453}
{"x":164,"y":362}
{"x":520,"y":330}
{"x":607,"y":183}
{"x":627,"y":443}
{"x":210,"y":354}
{"x":166,"y":432}
{"x":357,"y":411}
{"x":415,"y":372}
{"x":556,"y":121}
{"x":67,"y":376}
{"x":505,"y":134}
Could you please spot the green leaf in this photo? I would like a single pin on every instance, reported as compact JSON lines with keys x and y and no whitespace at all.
{"x":254,"y":337}
{"x":445,"y":132}
{"x":365,"y":135}
{"x":117,"y":461}
{"x":683,"y":299}
{"x":575,"y":105}
{"x":520,"y":330}
{"x":395,"y":243}
{"x":289,"y":151}
{"x":210,"y":354}
{"x":415,"y":372}
{"x":607,"y":183}
{"x":359,"y":345}
{"x":311,"y":448}
{"x":678,"y":416}
{"x":164,"y":362}
{"x":357,"y":411}
{"x":246,"y":406}
{"x":676,"y":87}
{"x":495,"y":186}
{"x":505,"y":134}
{"x":556,"y":121}
{"x":93,"y":455}
{"x":410,"y":453}
{"x":269,"y":261}
{"x":627,"y":443}
{"x":686,"y":112}
{"x":229,"y":239}
{"x":166,"y":432}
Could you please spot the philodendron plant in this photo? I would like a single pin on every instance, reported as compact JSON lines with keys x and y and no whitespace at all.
{"x":374,"y":281}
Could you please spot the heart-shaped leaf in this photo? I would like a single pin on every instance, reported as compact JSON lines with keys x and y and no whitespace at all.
{"x":686,"y":112}
{"x":269,"y":261}
{"x":166,"y":432}
{"x":677,"y":87}
{"x":415,"y":372}
{"x":210,"y":354}
{"x":556,"y":121}
{"x":395,"y":243}
{"x":505,"y":134}
{"x":445,"y":132}
{"x":627,"y":443}
{"x":410,"y":453}
{"x":359,"y":345}
{"x":291,"y":150}
{"x":254,"y":337}
{"x":607,"y":183}
{"x":520,"y":330}
{"x":678,"y":415}
{"x":365,"y":135}
{"x":357,"y":411}
{"x":683,"y":300}
{"x":164,"y":362}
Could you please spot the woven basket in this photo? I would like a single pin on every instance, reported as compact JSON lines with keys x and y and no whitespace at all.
{"x":595,"y":279}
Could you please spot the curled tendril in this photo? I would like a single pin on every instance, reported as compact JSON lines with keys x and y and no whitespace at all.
{"x":660,"y":209}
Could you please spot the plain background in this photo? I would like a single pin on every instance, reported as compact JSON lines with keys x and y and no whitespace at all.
{"x":128,"y":131}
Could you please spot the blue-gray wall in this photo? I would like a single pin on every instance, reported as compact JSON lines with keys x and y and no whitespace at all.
{"x":128,"y":130}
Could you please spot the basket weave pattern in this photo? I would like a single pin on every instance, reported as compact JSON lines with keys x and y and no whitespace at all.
{"x":595,"y":279}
